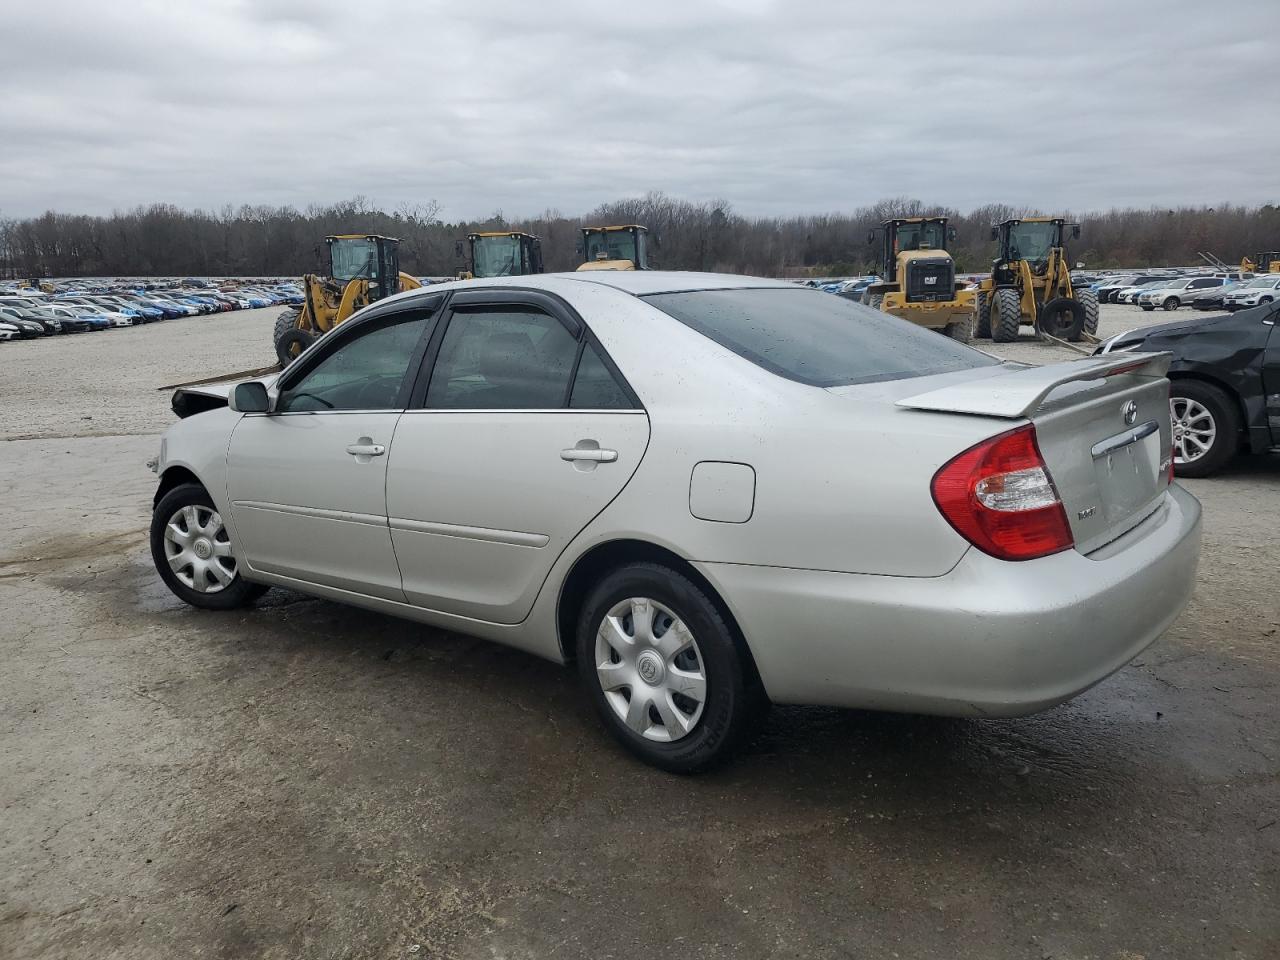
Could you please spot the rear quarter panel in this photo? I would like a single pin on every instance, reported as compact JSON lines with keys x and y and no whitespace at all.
{"x":842,"y":482}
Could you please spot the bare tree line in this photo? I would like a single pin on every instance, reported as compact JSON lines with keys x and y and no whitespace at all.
{"x":163,"y":240}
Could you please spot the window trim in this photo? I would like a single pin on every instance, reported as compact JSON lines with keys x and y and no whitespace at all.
{"x":344,"y":333}
{"x":522,"y":297}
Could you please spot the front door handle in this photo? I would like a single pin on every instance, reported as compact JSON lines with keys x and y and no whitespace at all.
{"x":364,"y":448}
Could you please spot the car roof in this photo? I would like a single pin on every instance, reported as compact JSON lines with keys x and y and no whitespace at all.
{"x":636,"y":282}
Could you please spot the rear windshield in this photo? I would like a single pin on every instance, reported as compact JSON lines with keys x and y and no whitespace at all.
{"x":816,"y":338}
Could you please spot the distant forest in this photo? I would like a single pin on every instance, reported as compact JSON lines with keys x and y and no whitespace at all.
{"x":162,"y":240}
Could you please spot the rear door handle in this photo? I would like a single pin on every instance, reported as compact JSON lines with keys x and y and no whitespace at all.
{"x":594,"y":455}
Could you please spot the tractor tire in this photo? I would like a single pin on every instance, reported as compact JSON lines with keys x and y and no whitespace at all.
{"x":286,"y":320}
{"x":292,"y":344}
{"x":1063,"y":318}
{"x":961,"y":331}
{"x":1006,"y":316}
{"x":1089,"y":300}
{"x":875,"y":300}
{"x":984,"y":317}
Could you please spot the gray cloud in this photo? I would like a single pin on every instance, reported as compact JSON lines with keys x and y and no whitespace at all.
{"x":775,"y":107}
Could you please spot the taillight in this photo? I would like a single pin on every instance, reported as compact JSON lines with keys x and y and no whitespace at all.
{"x":999,"y":496}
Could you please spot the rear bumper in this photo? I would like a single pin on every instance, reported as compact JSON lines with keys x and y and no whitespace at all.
{"x":990,"y":638}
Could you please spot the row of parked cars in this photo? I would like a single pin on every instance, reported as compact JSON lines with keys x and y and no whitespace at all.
{"x":26,"y":313}
{"x":1170,"y":291}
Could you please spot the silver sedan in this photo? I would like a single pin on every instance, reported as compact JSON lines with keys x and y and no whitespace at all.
{"x":709,"y":492}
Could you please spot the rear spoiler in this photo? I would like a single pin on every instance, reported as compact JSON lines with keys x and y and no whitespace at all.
{"x":1016,"y":395}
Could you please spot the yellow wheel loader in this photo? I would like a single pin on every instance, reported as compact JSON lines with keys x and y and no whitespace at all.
{"x":358,"y":270}
{"x":624,"y":247}
{"x":506,"y":253}
{"x":1266,"y":262}
{"x":1030,"y":283}
{"x":918,"y":277}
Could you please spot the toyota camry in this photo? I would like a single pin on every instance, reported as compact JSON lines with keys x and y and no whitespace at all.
{"x":707,"y":492}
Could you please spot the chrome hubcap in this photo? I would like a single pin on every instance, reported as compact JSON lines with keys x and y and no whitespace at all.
{"x":1194,"y":429}
{"x":650,"y":669}
{"x":198,"y":549}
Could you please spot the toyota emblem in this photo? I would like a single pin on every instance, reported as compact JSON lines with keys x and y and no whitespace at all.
{"x":1130,"y":413}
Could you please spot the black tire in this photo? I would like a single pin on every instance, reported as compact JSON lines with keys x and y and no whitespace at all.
{"x":1089,"y":300}
{"x":733,"y":699}
{"x":875,"y":300}
{"x":238,"y":593}
{"x":290,"y":346}
{"x":961,"y":330}
{"x":285,"y":321}
{"x":1226,"y":422}
{"x":983,"y":326}
{"x":1171,"y":303}
{"x":1006,"y":316}
{"x":1063,"y":318}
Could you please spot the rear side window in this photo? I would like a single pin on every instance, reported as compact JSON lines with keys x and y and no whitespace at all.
{"x":816,"y":338}
{"x":594,"y":388}
{"x":503,"y":358}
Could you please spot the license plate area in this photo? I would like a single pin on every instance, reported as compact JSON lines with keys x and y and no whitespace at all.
{"x":1127,"y":470}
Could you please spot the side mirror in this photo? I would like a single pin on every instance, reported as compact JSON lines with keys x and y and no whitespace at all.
{"x":951,"y":234}
{"x":1075,"y":231}
{"x":251,"y":397}
{"x":580,"y":248}
{"x":871,"y":236}
{"x":657,"y":239}
{"x":995,"y":233}
{"x":459,"y":250}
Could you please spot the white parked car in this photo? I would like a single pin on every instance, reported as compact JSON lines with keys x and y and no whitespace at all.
{"x":1172,"y":295}
{"x":1264,"y":289}
{"x":1130,"y":294}
{"x":708,"y":491}
{"x":8,"y":331}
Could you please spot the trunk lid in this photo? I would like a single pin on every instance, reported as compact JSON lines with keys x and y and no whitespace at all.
{"x":1102,"y":425}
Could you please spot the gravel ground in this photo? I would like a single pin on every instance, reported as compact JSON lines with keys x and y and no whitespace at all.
{"x":308,"y":780}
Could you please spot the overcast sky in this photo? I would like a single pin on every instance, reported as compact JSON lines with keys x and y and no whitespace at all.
{"x":776,"y":107}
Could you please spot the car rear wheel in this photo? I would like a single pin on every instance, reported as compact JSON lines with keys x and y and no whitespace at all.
{"x":1206,"y":428}
{"x":665,"y":672}
{"x":193,"y":553}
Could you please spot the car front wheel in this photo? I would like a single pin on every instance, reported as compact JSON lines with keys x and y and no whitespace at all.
{"x":193,"y":553}
{"x":664,"y":670}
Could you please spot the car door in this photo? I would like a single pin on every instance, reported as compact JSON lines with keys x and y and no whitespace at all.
{"x":520,"y":431}
{"x":307,"y":482}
